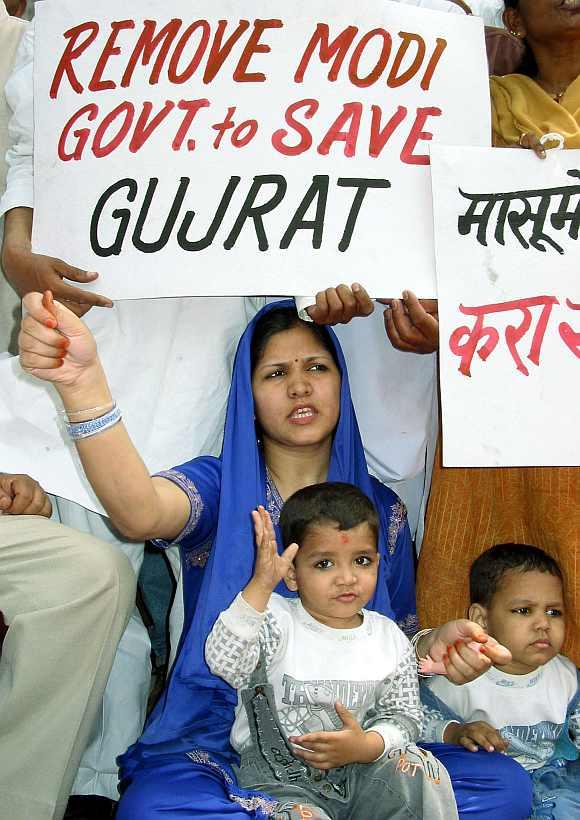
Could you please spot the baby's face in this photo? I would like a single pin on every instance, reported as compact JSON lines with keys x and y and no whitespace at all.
{"x":526,"y":614}
{"x":336,"y":573}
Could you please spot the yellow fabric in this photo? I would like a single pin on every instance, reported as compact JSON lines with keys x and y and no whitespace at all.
{"x":520,"y":106}
{"x":471,"y":509}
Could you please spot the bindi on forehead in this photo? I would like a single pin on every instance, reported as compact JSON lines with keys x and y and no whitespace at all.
{"x":344,"y":538}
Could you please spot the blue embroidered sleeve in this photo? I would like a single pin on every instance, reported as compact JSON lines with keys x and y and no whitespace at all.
{"x":200,"y":480}
{"x":401,"y":576}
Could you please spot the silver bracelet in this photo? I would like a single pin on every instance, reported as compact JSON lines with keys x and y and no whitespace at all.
{"x":85,"y":429}
{"x":415,"y":643}
{"x":101,"y":407}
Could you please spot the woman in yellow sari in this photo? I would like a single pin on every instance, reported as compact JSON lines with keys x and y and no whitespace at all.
{"x":471,"y":509}
{"x":545,"y":97}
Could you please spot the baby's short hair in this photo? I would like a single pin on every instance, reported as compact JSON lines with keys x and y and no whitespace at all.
{"x":331,"y":502}
{"x":487,"y":571}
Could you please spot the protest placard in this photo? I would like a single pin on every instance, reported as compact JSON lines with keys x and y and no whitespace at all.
{"x":230,"y":148}
{"x":507,"y":250}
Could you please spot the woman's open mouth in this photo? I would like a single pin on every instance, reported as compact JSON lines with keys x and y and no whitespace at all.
{"x":303,"y":415}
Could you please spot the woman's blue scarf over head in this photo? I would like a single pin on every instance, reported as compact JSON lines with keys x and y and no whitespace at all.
{"x":196,"y":711}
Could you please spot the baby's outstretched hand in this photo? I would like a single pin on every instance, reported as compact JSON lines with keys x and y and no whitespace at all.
{"x":270,"y":567}
{"x":475,"y":736}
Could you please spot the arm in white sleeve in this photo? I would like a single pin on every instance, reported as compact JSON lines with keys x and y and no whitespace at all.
{"x":19,"y":157}
{"x":438,"y":714}
{"x":434,"y":725}
{"x":233,"y":646}
{"x":398,"y":715}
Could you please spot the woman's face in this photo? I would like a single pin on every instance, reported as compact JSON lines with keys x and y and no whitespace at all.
{"x":543,"y":20}
{"x":296,"y":387}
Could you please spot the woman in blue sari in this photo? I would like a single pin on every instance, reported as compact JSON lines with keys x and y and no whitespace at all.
{"x":290,"y":422}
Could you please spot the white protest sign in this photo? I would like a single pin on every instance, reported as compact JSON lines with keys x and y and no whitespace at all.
{"x":508,"y":264}
{"x":228,"y":148}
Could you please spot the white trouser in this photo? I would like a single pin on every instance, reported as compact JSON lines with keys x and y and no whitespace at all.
{"x":66,"y":598}
{"x":120,"y":719}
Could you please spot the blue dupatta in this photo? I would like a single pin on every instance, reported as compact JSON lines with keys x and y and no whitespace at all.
{"x":196,"y":711}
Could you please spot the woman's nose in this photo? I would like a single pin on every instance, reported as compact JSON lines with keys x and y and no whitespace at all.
{"x":299,"y":385}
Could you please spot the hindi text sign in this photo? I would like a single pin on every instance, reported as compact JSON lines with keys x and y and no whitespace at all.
{"x":508,"y":271}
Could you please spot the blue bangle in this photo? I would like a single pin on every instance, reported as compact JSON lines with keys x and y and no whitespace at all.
{"x":85,"y":429}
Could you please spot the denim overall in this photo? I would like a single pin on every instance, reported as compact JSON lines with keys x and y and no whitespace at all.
{"x":406,"y":783}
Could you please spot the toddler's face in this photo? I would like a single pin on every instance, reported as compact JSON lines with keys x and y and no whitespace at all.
{"x":526,"y":614}
{"x":335,"y":573}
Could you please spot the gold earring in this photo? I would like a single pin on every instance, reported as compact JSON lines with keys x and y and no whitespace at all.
{"x":516,"y":33}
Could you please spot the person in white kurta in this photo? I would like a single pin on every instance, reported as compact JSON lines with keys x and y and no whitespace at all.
{"x":185,"y":351}
{"x":66,"y":598}
{"x":11,"y":30}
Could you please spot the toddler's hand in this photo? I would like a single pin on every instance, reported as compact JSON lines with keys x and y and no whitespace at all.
{"x":351,"y":744}
{"x":475,"y":736}
{"x":55,"y":345}
{"x":270,"y":567}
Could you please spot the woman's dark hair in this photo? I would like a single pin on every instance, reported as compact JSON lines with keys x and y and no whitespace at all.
{"x":487,"y":571}
{"x":331,"y":502}
{"x":277,"y":321}
{"x":528,"y":65}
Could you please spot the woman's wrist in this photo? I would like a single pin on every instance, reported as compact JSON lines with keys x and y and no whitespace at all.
{"x":90,"y":391}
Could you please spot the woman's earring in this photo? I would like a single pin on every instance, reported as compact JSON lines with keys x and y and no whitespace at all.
{"x":517,"y":34}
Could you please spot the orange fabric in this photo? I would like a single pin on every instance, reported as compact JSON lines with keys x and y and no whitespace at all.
{"x":472,"y":509}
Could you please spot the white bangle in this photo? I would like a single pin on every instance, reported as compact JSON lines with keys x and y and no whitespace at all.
{"x":415,"y":643}
{"x":85,"y":429}
{"x":101,"y":408}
